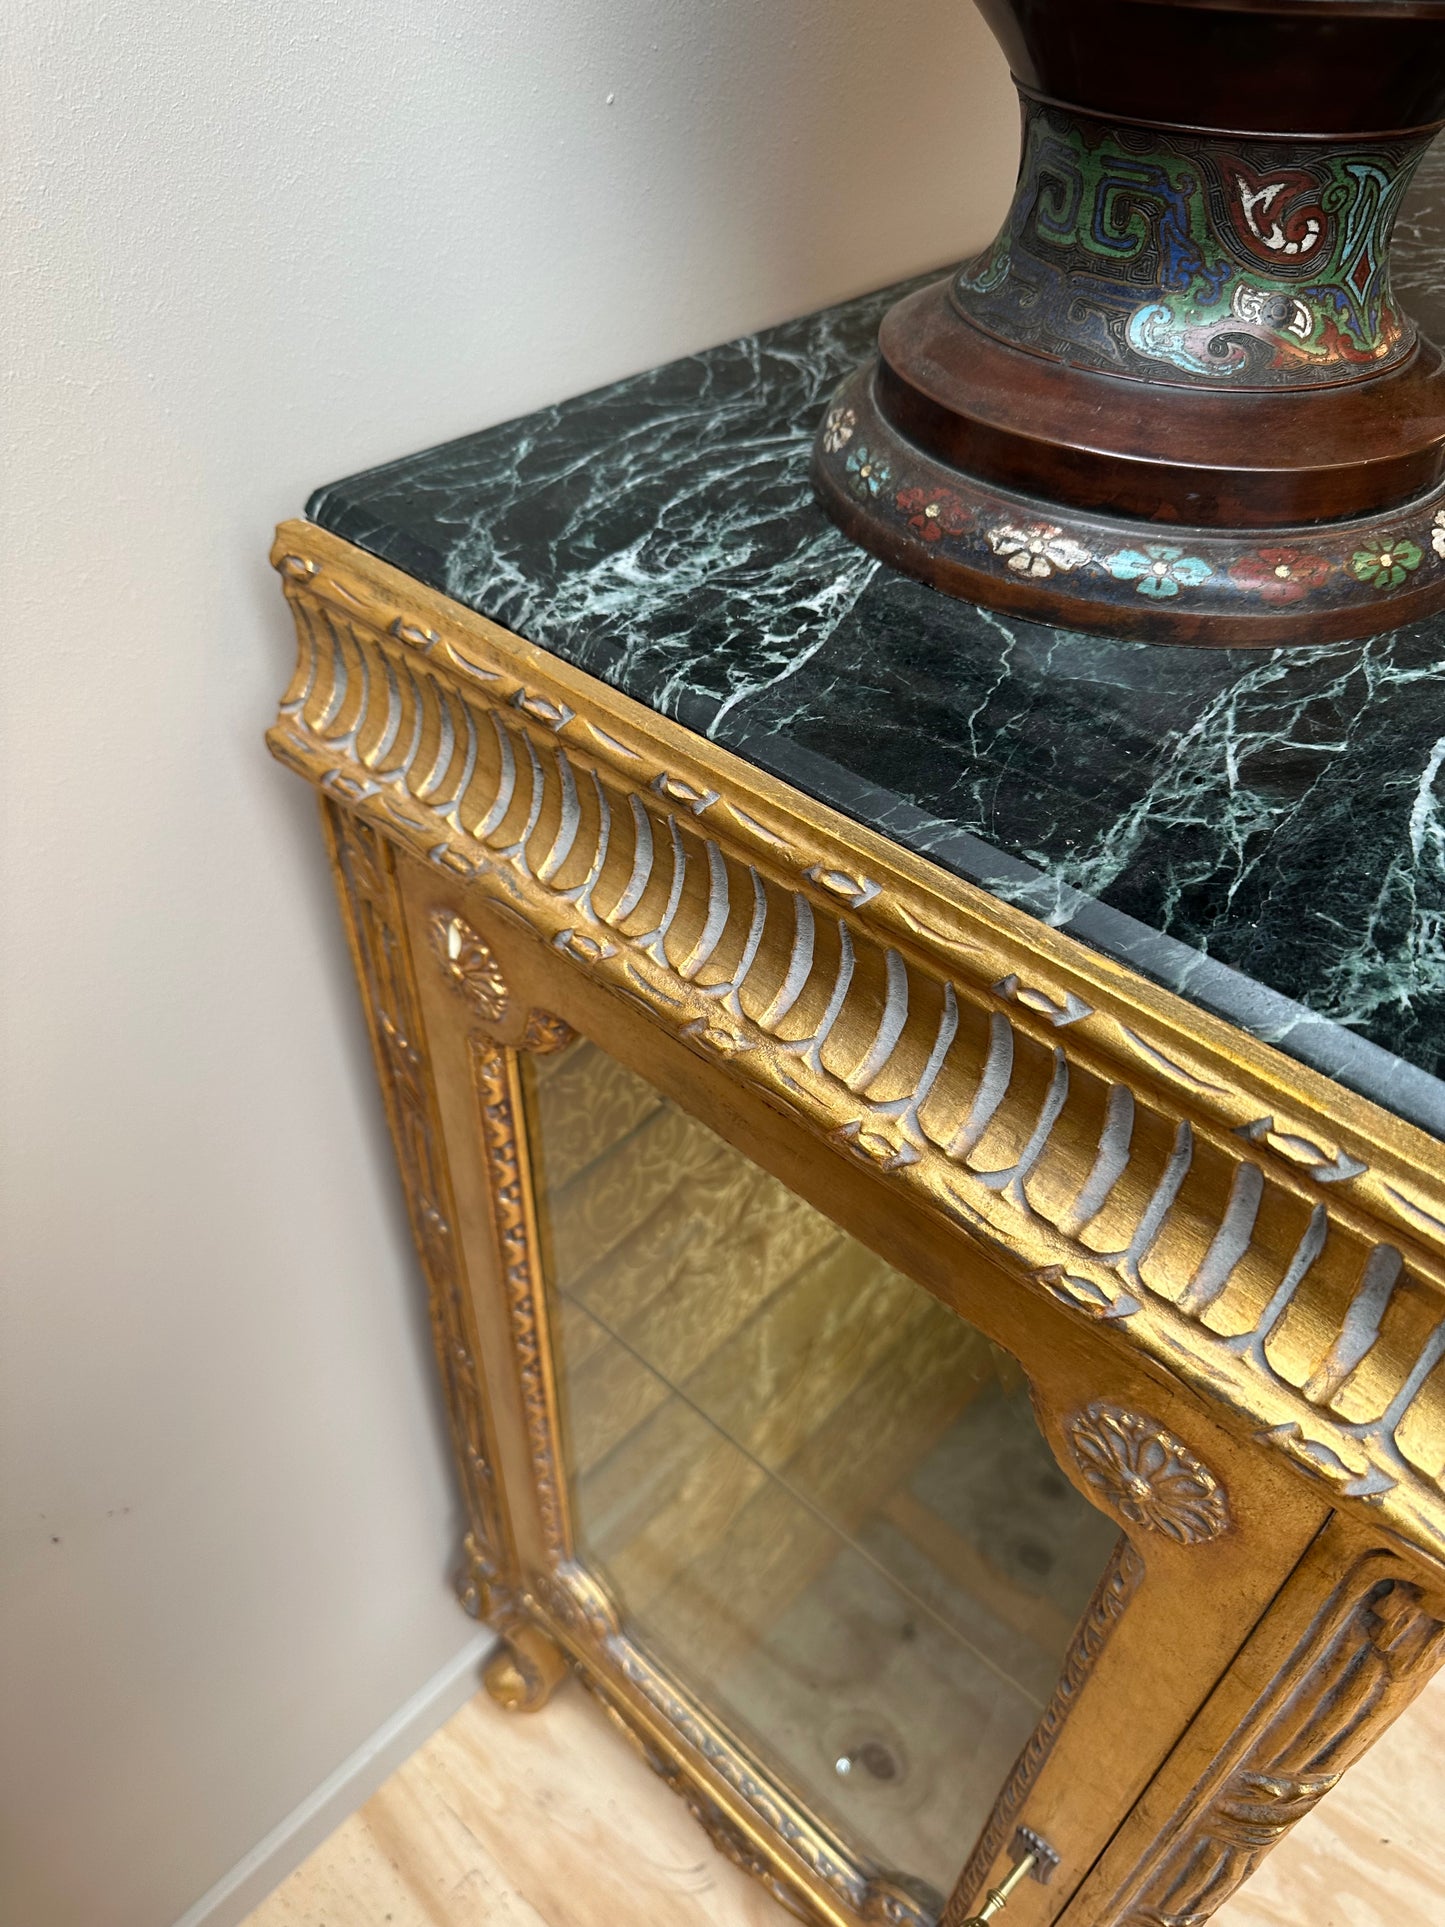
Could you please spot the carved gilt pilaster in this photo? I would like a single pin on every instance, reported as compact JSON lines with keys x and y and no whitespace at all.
{"x":1365,"y":1655}
{"x":364,"y":870}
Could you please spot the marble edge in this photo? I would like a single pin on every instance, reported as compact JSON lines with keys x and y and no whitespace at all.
{"x":327,"y":509}
{"x":1322,"y":1044}
{"x":1352,"y":1061}
{"x":1370,"y":1070}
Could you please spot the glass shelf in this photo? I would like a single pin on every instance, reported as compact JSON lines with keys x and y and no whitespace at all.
{"x":820,"y":1498}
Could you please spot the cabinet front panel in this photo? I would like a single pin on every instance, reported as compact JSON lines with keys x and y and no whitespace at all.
{"x":823,"y":1504}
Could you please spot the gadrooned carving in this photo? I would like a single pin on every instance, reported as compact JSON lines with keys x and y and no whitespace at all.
{"x":470,"y":963}
{"x":1029,"y":1132}
{"x":1147,"y":1477}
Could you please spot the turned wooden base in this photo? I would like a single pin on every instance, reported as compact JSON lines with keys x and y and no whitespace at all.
{"x":1158,"y":582}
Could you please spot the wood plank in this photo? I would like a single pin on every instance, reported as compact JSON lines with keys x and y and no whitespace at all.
{"x":552,"y":1821}
{"x":1370,"y":1853}
{"x":548,"y":1820}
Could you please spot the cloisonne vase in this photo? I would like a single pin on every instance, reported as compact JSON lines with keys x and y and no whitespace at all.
{"x":1176,"y":398}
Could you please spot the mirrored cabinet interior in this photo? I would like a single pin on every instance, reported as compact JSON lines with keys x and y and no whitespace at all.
{"x":819,"y":1496}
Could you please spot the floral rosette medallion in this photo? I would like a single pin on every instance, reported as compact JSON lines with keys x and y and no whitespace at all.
{"x":1176,"y":399}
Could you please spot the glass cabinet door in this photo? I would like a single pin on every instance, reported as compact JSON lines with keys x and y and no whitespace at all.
{"x":820,"y":1499}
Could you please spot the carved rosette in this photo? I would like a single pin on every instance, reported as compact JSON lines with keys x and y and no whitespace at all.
{"x":1144,"y":1475}
{"x":470,"y":964}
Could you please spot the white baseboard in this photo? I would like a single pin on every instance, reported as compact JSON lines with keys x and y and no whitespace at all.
{"x":263,"y":1869}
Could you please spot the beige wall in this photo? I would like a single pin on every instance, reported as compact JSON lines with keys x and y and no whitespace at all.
{"x":254,"y":247}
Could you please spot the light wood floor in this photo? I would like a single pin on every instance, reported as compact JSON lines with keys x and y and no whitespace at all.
{"x":550,"y":1820}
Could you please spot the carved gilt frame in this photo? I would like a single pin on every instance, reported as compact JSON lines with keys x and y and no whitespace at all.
{"x":1207,"y":1257}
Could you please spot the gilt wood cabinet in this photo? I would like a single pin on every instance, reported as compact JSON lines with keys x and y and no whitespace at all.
{"x":927,"y":1169}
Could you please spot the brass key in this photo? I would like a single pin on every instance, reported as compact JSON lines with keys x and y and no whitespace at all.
{"x":1039,"y":1859}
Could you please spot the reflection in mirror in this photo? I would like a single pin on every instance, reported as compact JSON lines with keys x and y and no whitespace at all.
{"x":820,"y":1498}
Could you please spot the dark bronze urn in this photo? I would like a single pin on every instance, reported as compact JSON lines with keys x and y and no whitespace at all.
{"x":1176,"y":399}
